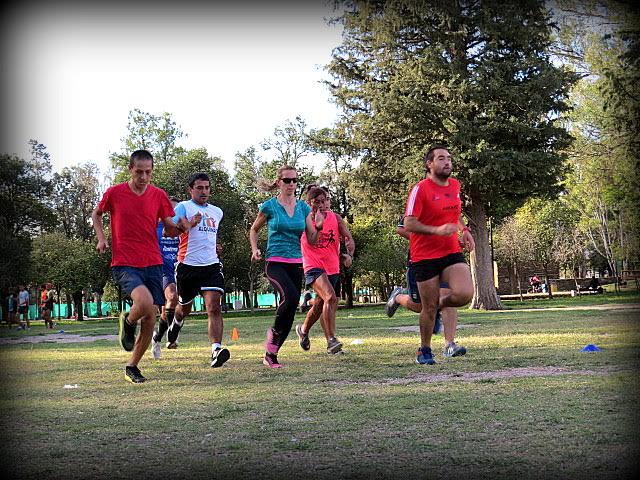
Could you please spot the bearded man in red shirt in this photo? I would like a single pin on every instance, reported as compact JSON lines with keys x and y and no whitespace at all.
{"x":434,"y":218}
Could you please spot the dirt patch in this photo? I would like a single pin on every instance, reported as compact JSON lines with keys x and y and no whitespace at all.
{"x":475,"y":376}
{"x":56,"y":338}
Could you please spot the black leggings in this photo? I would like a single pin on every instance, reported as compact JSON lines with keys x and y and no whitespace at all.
{"x":286,"y":278}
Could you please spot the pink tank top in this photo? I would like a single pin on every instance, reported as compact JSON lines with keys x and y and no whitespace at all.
{"x":325,"y":254}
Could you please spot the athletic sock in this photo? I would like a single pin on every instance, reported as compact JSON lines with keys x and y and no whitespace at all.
{"x":163,"y":326}
{"x":169,"y":313}
{"x":215,"y":346}
{"x":174,"y":330}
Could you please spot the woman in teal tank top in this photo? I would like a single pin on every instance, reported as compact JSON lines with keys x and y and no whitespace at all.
{"x":286,"y":218}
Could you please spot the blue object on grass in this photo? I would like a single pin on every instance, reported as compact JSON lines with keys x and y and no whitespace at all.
{"x":590,"y":348}
{"x":61,"y":331}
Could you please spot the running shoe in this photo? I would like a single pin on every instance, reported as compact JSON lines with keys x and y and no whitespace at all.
{"x":156,"y":349}
{"x":305,"y":343}
{"x":454,"y":350}
{"x":133,"y":374}
{"x":391,"y":305}
{"x":424,"y":356}
{"x":126,"y":333}
{"x":271,"y":360}
{"x":334,"y":346}
{"x":219,"y":356}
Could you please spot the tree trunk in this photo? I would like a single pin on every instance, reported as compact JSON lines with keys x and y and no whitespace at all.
{"x":517,"y":274}
{"x":77,"y":303}
{"x":69,"y":309}
{"x":97,"y":296}
{"x":348,"y":288}
{"x":485,"y":296}
{"x":251,"y":305}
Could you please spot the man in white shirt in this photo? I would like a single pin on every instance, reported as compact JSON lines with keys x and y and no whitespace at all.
{"x":199,"y":268}
{"x":23,"y":308}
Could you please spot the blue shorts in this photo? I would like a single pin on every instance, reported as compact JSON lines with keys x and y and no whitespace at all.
{"x":312,"y":275}
{"x":168,"y":275}
{"x":412,"y":284}
{"x":129,"y":278}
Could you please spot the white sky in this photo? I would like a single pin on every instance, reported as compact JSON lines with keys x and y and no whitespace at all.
{"x":228,"y":74}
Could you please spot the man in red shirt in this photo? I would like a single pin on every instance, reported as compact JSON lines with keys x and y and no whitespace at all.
{"x":135,"y":207}
{"x":434,"y":217}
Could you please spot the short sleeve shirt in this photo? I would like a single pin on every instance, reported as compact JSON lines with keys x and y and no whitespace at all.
{"x":284,"y":231}
{"x":134,"y":219}
{"x":198,"y":244}
{"x":23,"y":298}
{"x":434,"y":205}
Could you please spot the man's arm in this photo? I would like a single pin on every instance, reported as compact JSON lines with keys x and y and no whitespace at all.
{"x":402,"y":231}
{"x":96,"y":218}
{"x":413,"y":225}
{"x":467,"y":240}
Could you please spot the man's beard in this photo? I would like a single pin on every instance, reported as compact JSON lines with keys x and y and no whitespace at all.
{"x":442,"y":175}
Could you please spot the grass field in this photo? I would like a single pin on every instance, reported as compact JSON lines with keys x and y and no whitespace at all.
{"x":524,"y":403}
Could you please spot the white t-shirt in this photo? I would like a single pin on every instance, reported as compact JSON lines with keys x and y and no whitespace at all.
{"x":23,"y":298}
{"x":198,"y":245}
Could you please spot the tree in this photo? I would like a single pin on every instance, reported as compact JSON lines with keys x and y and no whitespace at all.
{"x":381,"y":255}
{"x":157,"y":133}
{"x":513,"y":248}
{"x":75,"y":193}
{"x":24,"y":213}
{"x":600,"y":40}
{"x":248,"y":166}
{"x":290,"y":142}
{"x":475,"y":74}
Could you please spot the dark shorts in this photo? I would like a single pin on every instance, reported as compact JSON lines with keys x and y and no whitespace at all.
{"x":427,"y":269}
{"x":191,"y":280}
{"x":129,"y":278}
{"x":312,"y":275}
{"x":23,"y":309}
{"x":412,"y":285}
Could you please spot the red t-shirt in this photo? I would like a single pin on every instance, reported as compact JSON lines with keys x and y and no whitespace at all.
{"x":134,"y":219}
{"x":434,"y":205}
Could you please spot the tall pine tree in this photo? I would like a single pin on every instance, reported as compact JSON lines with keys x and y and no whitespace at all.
{"x":475,"y":75}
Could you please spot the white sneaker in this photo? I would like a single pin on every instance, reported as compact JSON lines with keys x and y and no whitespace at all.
{"x":156,"y":349}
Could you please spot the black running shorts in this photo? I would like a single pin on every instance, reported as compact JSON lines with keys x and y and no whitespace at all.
{"x":191,"y":280}
{"x":426,"y":269}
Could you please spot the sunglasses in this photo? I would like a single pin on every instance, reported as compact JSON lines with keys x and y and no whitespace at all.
{"x":289,"y":180}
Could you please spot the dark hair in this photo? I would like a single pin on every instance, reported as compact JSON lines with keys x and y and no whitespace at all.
{"x":198,"y":176}
{"x":430,"y":153}
{"x":140,"y":155}
{"x":315,"y":192}
{"x":174,"y":199}
{"x":315,"y":185}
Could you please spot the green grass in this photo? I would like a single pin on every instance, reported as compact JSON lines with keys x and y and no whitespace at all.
{"x":525,"y":402}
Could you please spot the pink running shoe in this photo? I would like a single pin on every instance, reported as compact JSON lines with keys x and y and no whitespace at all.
{"x":271,"y":360}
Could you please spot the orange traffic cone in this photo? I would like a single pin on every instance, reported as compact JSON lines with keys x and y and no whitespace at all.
{"x":234,"y":334}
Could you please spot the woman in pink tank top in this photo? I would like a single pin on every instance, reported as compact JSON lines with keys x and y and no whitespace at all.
{"x":321,"y":264}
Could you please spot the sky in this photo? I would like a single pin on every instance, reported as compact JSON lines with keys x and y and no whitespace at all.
{"x":229,"y":74}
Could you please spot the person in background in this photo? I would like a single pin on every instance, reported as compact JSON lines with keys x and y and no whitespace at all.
{"x":23,"y":308}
